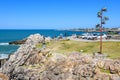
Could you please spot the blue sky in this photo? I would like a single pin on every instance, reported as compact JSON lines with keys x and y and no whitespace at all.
{"x":56,"y":14}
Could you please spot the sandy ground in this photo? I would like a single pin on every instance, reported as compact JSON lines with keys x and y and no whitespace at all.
{"x":84,"y":40}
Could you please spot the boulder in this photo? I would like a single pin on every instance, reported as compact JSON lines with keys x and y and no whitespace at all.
{"x":27,"y":54}
{"x":115,"y":67}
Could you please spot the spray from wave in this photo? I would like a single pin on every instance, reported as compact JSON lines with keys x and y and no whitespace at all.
{"x":2,"y":56}
{"x":4,"y":43}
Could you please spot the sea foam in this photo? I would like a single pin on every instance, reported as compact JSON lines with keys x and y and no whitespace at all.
{"x":2,"y":56}
{"x":4,"y":43}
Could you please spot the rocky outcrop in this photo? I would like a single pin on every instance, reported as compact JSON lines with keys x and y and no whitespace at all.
{"x":32,"y":63}
{"x":25,"y":55}
{"x":2,"y":61}
{"x":18,"y":42}
{"x":3,"y":77}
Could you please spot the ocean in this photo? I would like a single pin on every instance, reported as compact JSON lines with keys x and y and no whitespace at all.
{"x":7,"y":36}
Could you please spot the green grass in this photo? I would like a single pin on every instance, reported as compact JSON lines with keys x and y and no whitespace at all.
{"x":105,"y":71}
{"x":112,"y":49}
{"x":32,"y":67}
{"x":39,"y":45}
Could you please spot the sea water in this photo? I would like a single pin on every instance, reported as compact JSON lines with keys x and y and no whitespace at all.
{"x":5,"y":50}
{"x":7,"y":36}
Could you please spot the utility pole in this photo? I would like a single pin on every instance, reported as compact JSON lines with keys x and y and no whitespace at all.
{"x":102,"y":21}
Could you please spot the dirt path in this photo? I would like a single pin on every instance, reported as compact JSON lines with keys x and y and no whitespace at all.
{"x":104,"y":40}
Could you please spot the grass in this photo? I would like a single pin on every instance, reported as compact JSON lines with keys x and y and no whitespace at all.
{"x":39,"y":45}
{"x":105,"y":71}
{"x":33,"y":67}
{"x":112,"y":49}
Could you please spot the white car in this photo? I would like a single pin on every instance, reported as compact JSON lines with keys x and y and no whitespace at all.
{"x":89,"y":36}
{"x":104,"y":36}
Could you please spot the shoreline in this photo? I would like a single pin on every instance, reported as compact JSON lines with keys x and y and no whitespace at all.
{"x":4,"y":55}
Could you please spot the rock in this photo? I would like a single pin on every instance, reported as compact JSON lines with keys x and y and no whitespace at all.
{"x":115,"y":67}
{"x":114,"y":77}
{"x":18,"y":42}
{"x":107,"y":64}
{"x":3,"y":77}
{"x":74,"y":55}
{"x":56,"y":57}
{"x":25,"y":55}
{"x":100,"y":64}
{"x":87,"y":59}
{"x":99,"y":56}
{"x":48,"y":39}
{"x":32,"y":63}
{"x":2,"y":61}
{"x":101,"y":77}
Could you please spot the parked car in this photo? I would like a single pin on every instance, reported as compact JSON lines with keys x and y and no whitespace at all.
{"x":89,"y":36}
{"x":93,"y":36}
{"x":104,"y":36}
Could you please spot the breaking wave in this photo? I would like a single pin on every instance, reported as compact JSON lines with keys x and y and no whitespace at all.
{"x":4,"y":43}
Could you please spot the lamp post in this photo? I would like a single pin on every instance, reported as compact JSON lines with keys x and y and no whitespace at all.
{"x":102,"y":21}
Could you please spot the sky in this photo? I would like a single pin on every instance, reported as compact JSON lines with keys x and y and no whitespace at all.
{"x":57,"y":14}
